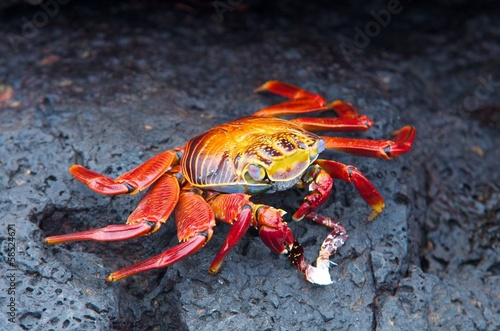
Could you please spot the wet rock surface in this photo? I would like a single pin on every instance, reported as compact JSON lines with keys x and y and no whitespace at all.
{"x":108,"y":87}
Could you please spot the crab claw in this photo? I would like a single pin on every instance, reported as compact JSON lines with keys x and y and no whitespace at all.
{"x":273,"y":232}
{"x":318,"y":275}
{"x":320,"y":186}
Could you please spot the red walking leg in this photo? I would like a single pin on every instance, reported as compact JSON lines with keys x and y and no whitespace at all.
{"x":301,"y":101}
{"x":153,"y":210}
{"x":336,"y":239}
{"x":162,"y":260}
{"x":195,"y":221}
{"x":237,"y":210}
{"x":351,"y":174}
{"x":332,"y":242}
{"x":348,"y":120}
{"x":384,"y":149}
{"x":130,"y":182}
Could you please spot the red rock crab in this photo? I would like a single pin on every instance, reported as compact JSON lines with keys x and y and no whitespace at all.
{"x":213,"y":177}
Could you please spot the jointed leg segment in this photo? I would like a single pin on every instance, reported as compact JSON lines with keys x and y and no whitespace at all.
{"x":162,"y":260}
{"x":130,"y":182}
{"x":274,"y":233}
{"x":153,"y":210}
{"x":383,"y":149}
{"x":238,"y":210}
{"x":351,"y":174}
{"x":195,"y":221}
{"x":301,"y":101}
{"x":337,"y":237}
{"x":320,"y":186}
{"x":332,"y":242}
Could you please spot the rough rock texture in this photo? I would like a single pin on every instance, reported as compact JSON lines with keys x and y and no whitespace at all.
{"x":108,"y":87}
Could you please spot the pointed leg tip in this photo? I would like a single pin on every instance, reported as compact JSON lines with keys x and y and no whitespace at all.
{"x":262,"y":87}
{"x":377,"y":208}
{"x":215,"y":268}
{"x":110,"y":279}
{"x":117,"y":275}
{"x":374,"y":214}
{"x":79,"y":171}
{"x":55,"y":240}
{"x":408,"y":130}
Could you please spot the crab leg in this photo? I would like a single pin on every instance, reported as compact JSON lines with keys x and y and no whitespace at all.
{"x":288,"y":91}
{"x":301,"y":101}
{"x":338,"y":124}
{"x":162,"y":260}
{"x":305,"y":102}
{"x":279,"y":238}
{"x":351,"y":174}
{"x":195,"y":221}
{"x":237,"y":210}
{"x":320,"y":185}
{"x":384,"y":149}
{"x":153,"y":210}
{"x":348,"y":120}
{"x":130,"y":182}
{"x":335,"y":240}
{"x":332,"y":242}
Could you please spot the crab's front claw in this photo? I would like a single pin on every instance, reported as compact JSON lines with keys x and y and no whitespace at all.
{"x":317,"y":275}
{"x":273,"y":231}
{"x":320,"y":187}
{"x":278,"y":237}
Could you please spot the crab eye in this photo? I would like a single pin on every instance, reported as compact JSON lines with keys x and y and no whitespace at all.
{"x":256,"y":172}
{"x":321,"y":145}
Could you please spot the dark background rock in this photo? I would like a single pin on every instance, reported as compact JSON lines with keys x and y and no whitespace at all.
{"x":108,"y":86}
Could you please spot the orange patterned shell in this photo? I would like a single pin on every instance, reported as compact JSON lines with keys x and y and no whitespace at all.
{"x":250,"y":155}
